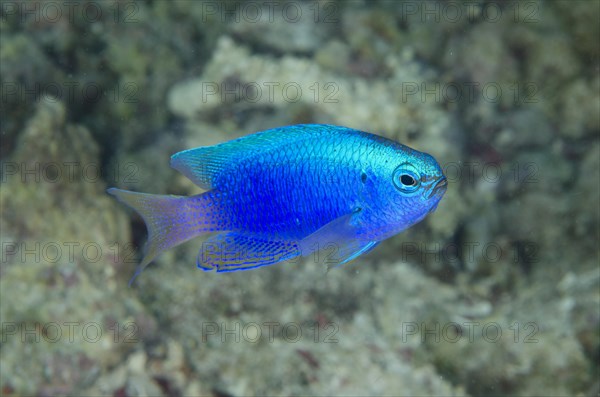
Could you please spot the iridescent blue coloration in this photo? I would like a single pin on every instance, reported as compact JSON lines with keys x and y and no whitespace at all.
{"x":281,"y":193}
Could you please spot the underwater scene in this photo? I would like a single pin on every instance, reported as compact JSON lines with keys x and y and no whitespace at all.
{"x":288,"y":197}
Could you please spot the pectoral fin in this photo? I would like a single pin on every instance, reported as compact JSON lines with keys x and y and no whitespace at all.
{"x":352,"y":250}
{"x":228,"y":252}
{"x":340,"y":238}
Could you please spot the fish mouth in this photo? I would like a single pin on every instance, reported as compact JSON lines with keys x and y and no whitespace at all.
{"x":439,"y":189}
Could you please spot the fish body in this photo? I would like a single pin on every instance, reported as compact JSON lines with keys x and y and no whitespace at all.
{"x":286,"y":192}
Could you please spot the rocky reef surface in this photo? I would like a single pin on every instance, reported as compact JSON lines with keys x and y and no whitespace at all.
{"x":497,"y":292}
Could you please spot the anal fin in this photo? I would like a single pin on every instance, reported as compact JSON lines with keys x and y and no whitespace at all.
{"x":228,"y":252}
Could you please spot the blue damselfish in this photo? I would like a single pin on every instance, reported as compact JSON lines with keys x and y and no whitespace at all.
{"x":282,"y":193}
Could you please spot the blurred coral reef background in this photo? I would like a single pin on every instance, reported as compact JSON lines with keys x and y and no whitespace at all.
{"x":497,"y":292}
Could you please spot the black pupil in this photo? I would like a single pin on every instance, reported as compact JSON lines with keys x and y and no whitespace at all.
{"x":407,"y":180}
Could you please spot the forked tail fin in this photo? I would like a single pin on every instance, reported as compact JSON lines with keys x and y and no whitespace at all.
{"x":170,"y":220}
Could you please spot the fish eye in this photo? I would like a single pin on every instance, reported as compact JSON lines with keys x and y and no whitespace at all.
{"x":406,"y":178}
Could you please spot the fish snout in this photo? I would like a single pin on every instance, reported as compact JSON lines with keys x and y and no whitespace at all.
{"x":439,"y":188}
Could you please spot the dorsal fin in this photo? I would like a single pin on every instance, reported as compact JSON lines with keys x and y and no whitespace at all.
{"x":204,"y":165}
